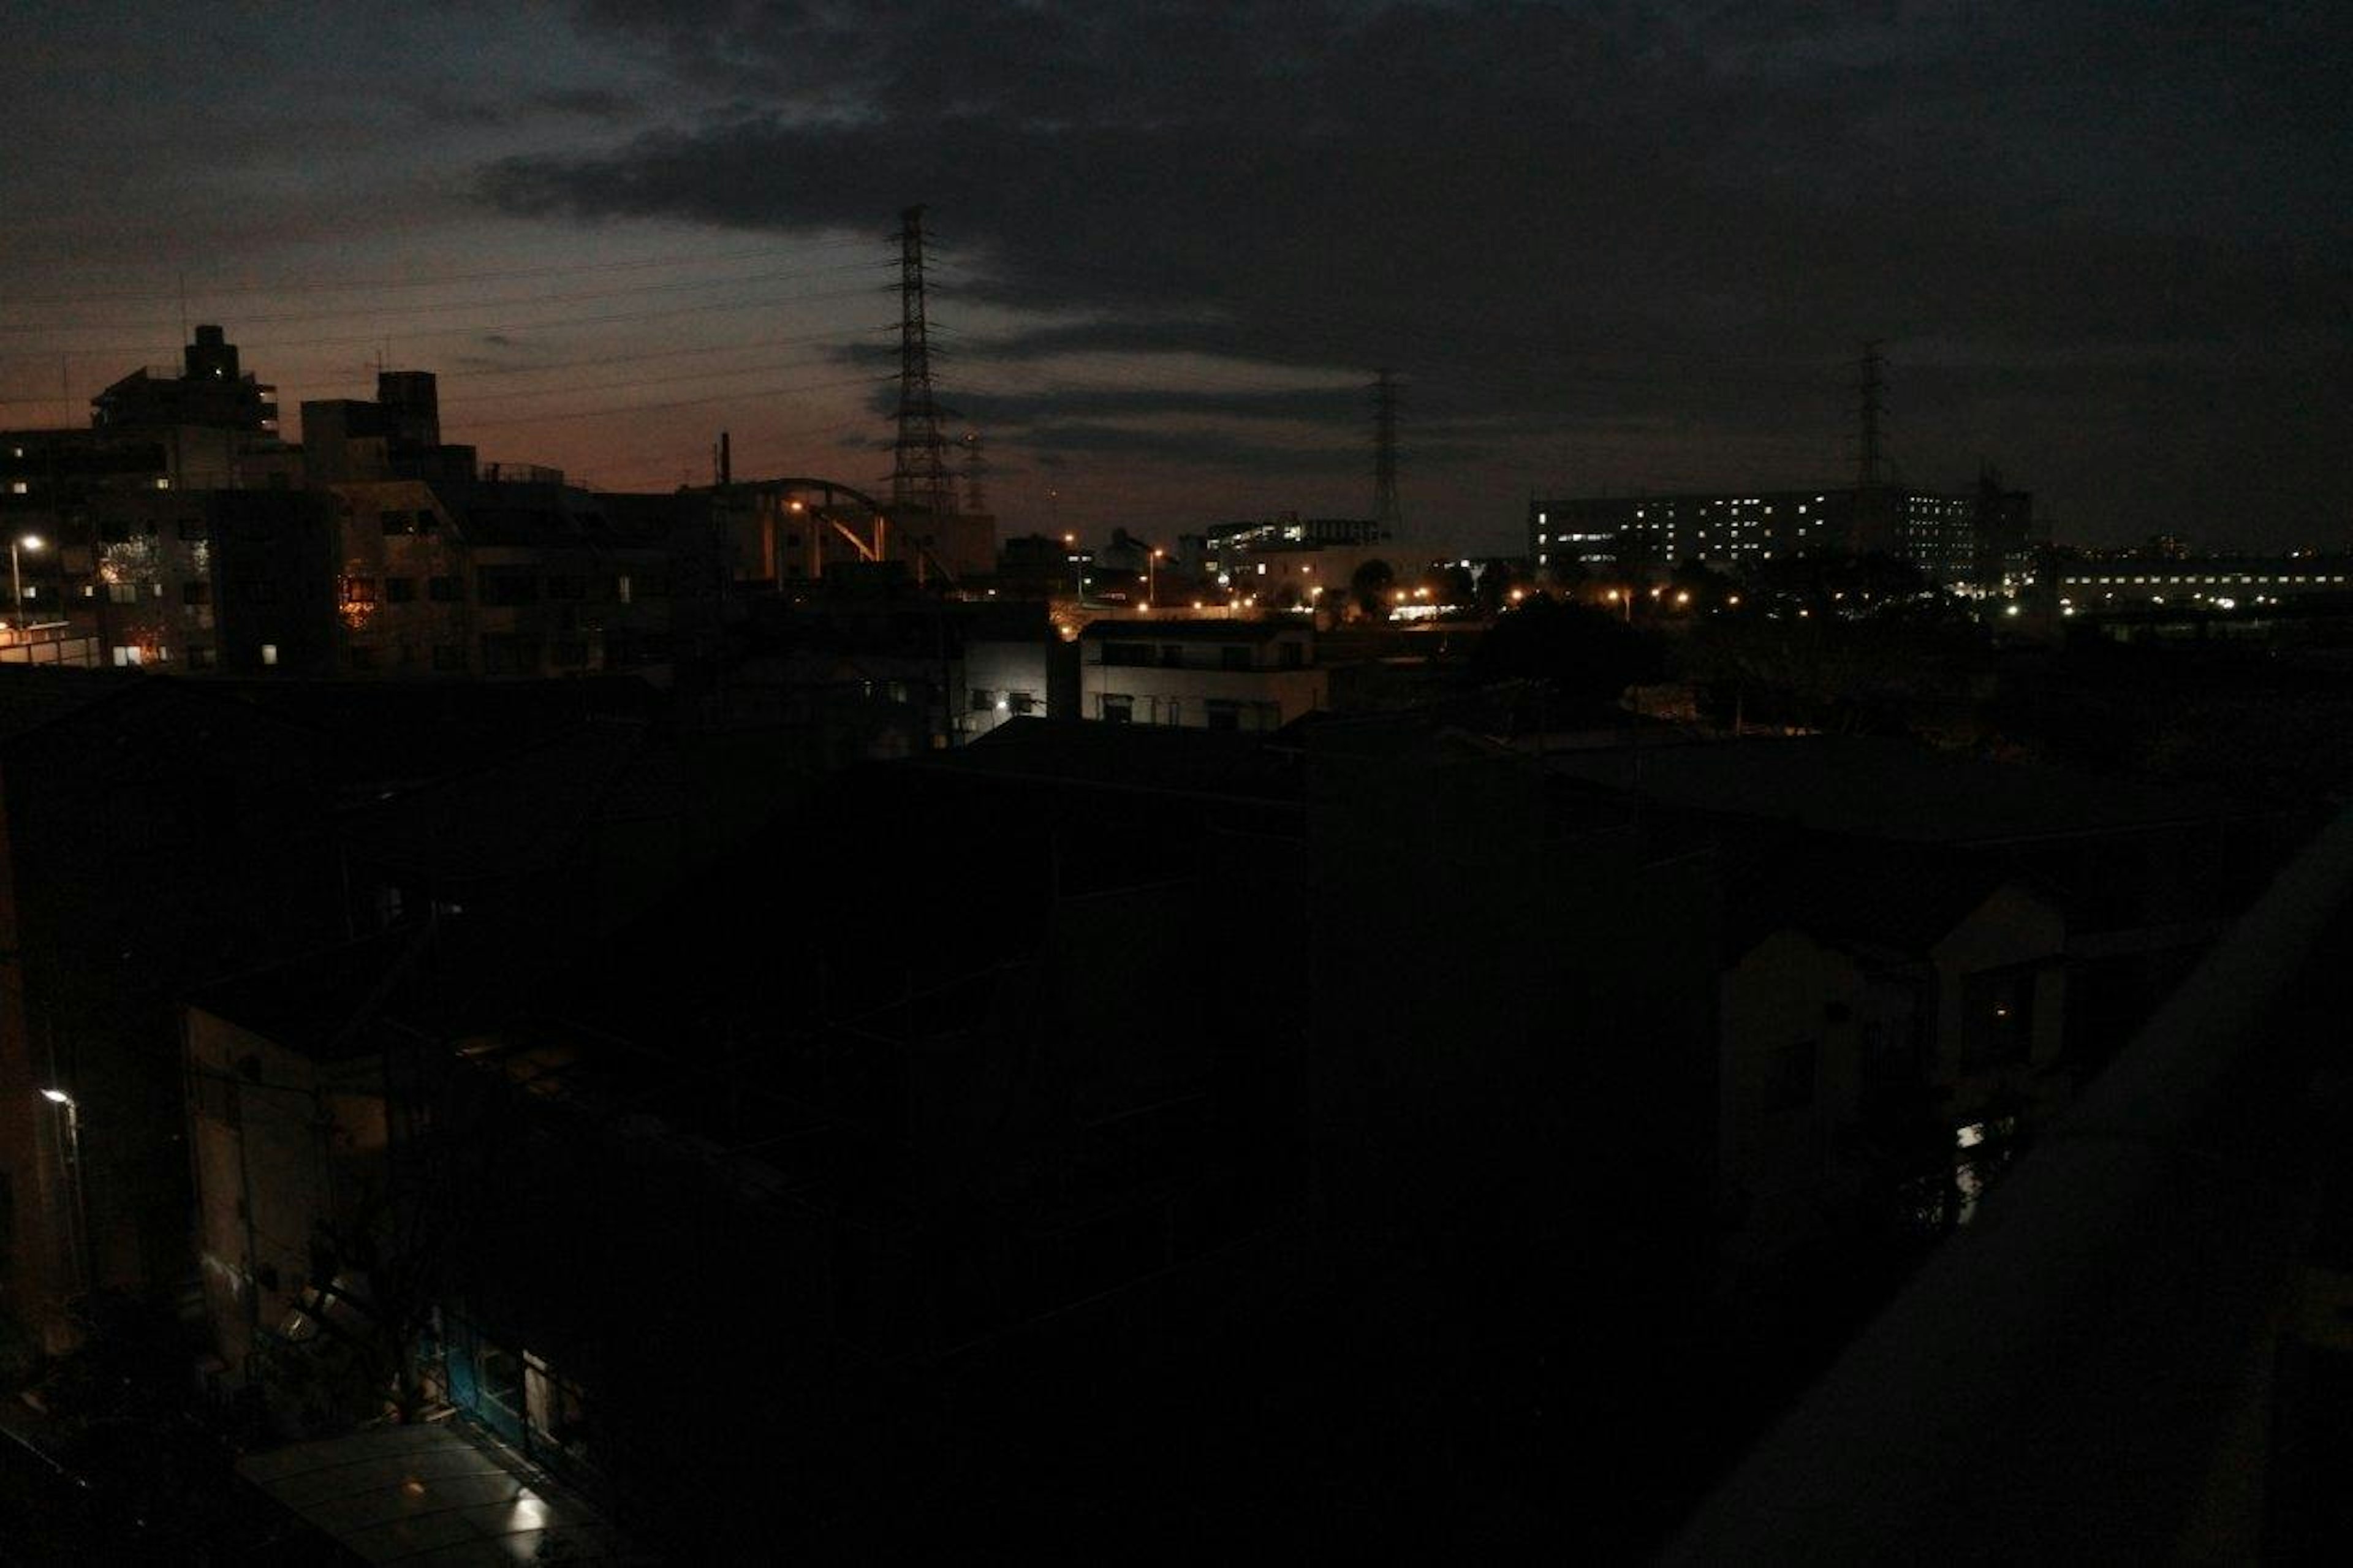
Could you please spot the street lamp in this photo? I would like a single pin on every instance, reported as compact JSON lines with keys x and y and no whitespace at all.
{"x":74,"y":1226}
{"x":16,"y":572}
{"x":1152,"y":579}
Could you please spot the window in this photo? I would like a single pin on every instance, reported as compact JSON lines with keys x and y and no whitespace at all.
{"x":199,"y":658}
{"x":1294,"y":654}
{"x":194,"y":528}
{"x":269,"y":653}
{"x":195,"y":593}
{"x":1128,"y":653}
{"x":623,"y":592}
{"x":449,"y":657}
{"x":361,"y":658}
{"x":1172,"y":656}
{"x":1118,"y":710}
{"x":445,"y":590}
{"x":1223,"y":713}
{"x":359,"y":590}
{"x":1021,"y":702}
{"x":568,"y":653}
{"x":982,"y":702}
{"x":126,"y":656}
{"x":567,"y":587}
{"x":1232,"y":658}
{"x":122,"y":592}
{"x":400,"y":590}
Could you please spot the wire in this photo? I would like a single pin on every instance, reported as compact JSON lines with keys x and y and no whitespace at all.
{"x":681,"y":403}
{"x":484,"y":327}
{"x":669,"y":288}
{"x":501,"y":274}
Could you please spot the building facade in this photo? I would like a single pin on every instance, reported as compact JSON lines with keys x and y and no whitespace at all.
{"x":1205,"y":674}
{"x":1979,"y":539}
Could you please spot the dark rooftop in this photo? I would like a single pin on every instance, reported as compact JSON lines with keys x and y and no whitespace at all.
{"x":1155,"y":757}
{"x":1188,"y":630}
{"x":1884,"y":789}
{"x":31,"y":698}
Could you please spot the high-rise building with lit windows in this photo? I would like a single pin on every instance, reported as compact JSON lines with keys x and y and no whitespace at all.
{"x":1975,"y":538}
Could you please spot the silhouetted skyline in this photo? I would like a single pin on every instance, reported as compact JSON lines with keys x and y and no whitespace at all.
{"x":1606,"y":250}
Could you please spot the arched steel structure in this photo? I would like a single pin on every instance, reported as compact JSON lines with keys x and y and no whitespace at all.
{"x":872,"y":544}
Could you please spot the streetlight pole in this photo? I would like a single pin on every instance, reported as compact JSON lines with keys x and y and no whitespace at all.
{"x":75,"y":1227}
{"x":1152,"y":580}
{"x":17,"y":570}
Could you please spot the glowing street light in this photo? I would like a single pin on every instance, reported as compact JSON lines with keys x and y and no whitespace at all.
{"x":15,"y":571}
{"x":74,"y":1219}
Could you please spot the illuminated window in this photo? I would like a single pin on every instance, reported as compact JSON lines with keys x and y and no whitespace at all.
{"x":269,"y":653}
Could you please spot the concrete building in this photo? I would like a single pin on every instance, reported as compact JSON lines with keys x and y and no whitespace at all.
{"x":1883,"y":1010}
{"x":208,"y":425}
{"x":395,"y":437}
{"x":210,"y":388}
{"x":2211,"y":583}
{"x":1287,"y":561}
{"x":2003,"y":927}
{"x":156,"y":834}
{"x":1199,"y":674}
{"x":1977,"y":539}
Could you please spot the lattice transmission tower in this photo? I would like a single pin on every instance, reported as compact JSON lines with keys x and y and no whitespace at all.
{"x":1385,"y":513}
{"x":1870,"y":469}
{"x":919,"y":471}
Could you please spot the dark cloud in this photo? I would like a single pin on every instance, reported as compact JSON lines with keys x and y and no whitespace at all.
{"x":588,"y":104}
{"x":1562,"y":215}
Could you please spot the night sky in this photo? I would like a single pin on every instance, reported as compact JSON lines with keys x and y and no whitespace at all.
{"x":1610,"y":248}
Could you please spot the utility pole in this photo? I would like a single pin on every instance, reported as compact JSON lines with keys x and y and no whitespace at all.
{"x":1385,"y":515}
{"x":919,"y":474}
{"x":1869,"y":472}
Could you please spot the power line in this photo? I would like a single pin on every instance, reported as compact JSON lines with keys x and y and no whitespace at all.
{"x":553,"y":270}
{"x":376,"y":311}
{"x":559,"y":323}
{"x":779,"y":391}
